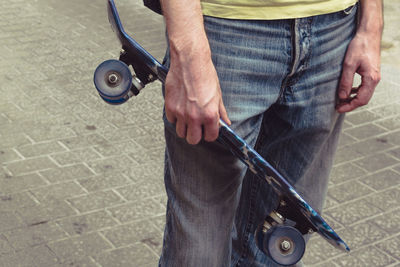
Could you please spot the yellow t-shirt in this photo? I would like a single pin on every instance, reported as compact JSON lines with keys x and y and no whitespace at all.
{"x":272,"y":9}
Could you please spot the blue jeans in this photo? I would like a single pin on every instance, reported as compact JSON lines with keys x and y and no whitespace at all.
{"x":279,"y":82}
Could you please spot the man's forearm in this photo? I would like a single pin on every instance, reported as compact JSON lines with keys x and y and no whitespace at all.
{"x":185,"y":28}
{"x":371,"y":17}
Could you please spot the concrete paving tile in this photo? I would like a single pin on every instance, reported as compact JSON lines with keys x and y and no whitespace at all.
{"x":330,"y":203}
{"x":78,"y":248}
{"x":150,"y":170}
{"x":390,"y":222}
{"x":78,"y":142}
{"x":114,"y":149}
{"x":30,"y":165}
{"x":87,"y":223}
{"x":10,"y":220}
{"x":73,"y":172}
{"x":12,"y":201}
{"x":369,"y":256}
{"x":139,"y":232}
{"x":365,"y":131}
{"x":151,"y":141}
{"x":397,"y":168}
{"x":115,"y":135}
{"x":353,"y":212}
{"x":361,"y":149}
{"x":82,"y":128}
{"x":159,"y":222}
{"x":143,"y":190}
{"x":386,"y":200}
{"x":145,"y":155}
{"x":326,"y":264}
{"x":391,"y":246}
{"x":138,"y":210}
{"x":45,"y":212}
{"x":395,"y":153}
{"x":95,"y":201}
{"x":162,"y":199}
{"x":362,"y":117}
{"x":390,"y":123}
{"x":346,"y":139}
{"x":362,"y":234}
{"x":7,"y":155}
{"x":10,"y":184}
{"x":393,"y":137}
{"x":348,"y":191}
{"x":345,"y":172}
{"x":318,"y":250}
{"x":82,"y":262}
{"x":76,"y":156}
{"x":36,"y":150}
{"x":58,"y":191}
{"x":102,"y":182}
{"x":38,"y":256}
{"x":139,"y":119}
{"x":42,"y":134}
{"x":5,"y":247}
{"x":109,"y":166}
{"x":382,"y":179}
{"x":376,"y":162}
{"x":24,"y":238}
{"x":128,"y":256}
{"x":347,"y":125}
{"x":13,"y":140}
{"x":387,"y":110}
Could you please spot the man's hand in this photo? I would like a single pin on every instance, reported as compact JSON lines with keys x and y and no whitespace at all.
{"x":193,"y":100}
{"x":362,"y":57}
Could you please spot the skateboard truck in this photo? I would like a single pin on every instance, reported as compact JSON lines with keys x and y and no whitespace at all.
{"x":280,"y":236}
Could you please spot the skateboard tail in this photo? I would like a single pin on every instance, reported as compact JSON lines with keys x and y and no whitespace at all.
{"x":322,"y":226}
{"x":259,"y":166}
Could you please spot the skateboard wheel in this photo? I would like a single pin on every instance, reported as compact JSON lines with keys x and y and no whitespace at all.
{"x":113,"y":81}
{"x":285,"y":245}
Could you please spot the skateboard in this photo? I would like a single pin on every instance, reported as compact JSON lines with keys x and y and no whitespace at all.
{"x":281,"y":234}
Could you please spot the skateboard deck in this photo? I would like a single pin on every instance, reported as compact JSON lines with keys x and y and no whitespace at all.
{"x":293,"y":217}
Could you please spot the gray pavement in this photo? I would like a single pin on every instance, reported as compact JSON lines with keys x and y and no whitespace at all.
{"x":81,"y":181}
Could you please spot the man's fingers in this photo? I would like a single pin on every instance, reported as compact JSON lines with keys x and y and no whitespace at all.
{"x":346,"y":80}
{"x":181,"y":128}
{"x":211,"y":129}
{"x":363,"y":95}
{"x":223,"y":114}
{"x":194,"y":133}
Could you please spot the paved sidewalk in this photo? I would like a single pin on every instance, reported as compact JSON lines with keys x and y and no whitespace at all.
{"x":81,"y":181}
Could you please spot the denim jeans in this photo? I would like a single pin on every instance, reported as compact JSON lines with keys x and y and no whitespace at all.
{"x":279,"y":82}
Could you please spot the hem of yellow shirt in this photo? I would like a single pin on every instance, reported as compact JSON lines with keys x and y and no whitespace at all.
{"x":274,"y":12}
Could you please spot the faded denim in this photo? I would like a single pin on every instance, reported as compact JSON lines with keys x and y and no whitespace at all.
{"x":279,"y":81}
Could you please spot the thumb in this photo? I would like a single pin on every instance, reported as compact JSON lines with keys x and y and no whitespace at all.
{"x":223,"y":114}
{"x":346,"y":81}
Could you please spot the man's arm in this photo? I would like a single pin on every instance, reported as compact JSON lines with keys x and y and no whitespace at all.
{"x":362,"y":57}
{"x":192,"y":94}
